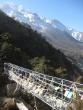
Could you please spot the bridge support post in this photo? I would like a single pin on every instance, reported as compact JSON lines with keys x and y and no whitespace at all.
{"x":62,"y":89}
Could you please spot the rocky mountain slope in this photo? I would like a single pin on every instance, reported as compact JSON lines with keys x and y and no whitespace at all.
{"x":27,"y":48}
{"x":58,"y":35}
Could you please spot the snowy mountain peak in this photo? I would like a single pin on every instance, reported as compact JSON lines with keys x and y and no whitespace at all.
{"x":38,"y":23}
{"x":19,"y":13}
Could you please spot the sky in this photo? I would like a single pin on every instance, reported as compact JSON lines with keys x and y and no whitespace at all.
{"x":68,"y":12}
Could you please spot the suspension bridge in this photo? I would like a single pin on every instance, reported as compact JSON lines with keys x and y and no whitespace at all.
{"x":53,"y":91}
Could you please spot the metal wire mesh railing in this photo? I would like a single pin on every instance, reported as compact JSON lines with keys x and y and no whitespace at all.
{"x":55,"y":92}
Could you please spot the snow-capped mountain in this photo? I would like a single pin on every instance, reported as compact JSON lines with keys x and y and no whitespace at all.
{"x":41,"y":24}
{"x":76,"y":34}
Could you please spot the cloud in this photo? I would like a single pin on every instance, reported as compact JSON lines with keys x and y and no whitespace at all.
{"x":11,"y":9}
{"x":6,"y":7}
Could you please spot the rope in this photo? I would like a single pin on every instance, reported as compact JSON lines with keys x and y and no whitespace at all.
{"x":17,"y":87}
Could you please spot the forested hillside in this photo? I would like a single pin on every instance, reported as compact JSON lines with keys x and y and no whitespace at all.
{"x":25,"y":47}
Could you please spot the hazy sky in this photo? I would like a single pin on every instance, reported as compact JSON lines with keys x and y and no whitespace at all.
{"x":69,"y":12}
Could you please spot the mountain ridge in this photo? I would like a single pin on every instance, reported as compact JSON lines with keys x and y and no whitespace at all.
{"x":27,"y":48}
{"x":38,"y":23}
{"x":58,"y":35}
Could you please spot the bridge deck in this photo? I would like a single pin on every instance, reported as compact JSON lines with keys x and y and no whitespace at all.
{"x":55,"y":92}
